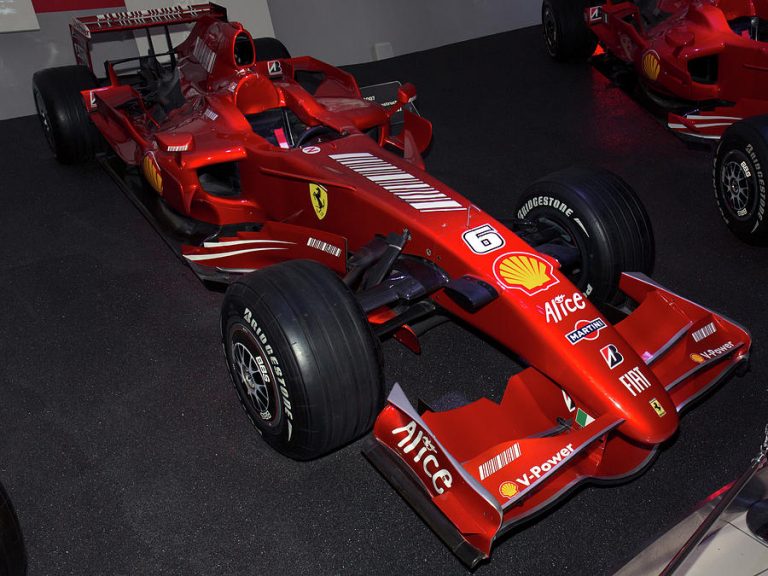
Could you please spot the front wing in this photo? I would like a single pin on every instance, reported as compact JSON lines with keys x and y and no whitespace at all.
{"x":476,"y":471}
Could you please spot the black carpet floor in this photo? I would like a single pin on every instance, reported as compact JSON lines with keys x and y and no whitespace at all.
{"x":123,"y":444}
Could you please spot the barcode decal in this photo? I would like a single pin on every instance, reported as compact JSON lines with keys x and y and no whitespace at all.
{"x":702,"y":333}
{"x":324,"y":246}
{"x":498,"y":462}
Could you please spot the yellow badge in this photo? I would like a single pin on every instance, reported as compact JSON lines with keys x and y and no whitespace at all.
{"x":698,"y":358}
{"x":319,"y":197}
{"x":651,"y":65}
{"x":528,"y":272}
{"x":656,"y":405}
{"x":152,"y":172}
{"x":508,"y":489}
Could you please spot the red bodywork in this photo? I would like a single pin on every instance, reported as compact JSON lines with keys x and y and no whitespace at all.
{"x":710,"y":54}
{"x":595,"y":400}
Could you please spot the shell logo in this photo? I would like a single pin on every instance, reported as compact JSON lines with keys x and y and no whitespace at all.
{"x":523,"y":271}
{"x":508,"y":489}
{"x":152,"y":172}
{"x":651,"y":65}
{"x":698,"y":358}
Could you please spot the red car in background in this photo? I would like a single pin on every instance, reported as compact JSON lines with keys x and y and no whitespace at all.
{"x":281,"y":179}
{"x":703,"y":61}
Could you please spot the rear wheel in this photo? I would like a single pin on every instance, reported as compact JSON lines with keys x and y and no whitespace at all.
{"x":70,"y":133}
{"x":303,"y":358}
{"x":270,"y":49}
{"x":739,"y":179}
{"x":566,"y":34}
{"x":596,"y":218}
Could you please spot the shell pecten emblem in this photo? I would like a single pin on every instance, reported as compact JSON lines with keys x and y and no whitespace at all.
{"x":508,"y":489}
{"x":152,"y":172}
{"x":318,"y":195}
{"x":523,"y":271}
{"x":651,"y":64}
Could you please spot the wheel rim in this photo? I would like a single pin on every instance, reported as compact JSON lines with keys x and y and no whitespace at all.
{"x":738,"y":185}
{"x":42,"y":113}
{"x":254,"y":376}
{"x":550,"y":30}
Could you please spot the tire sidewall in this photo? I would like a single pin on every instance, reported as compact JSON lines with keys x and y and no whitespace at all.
{"x":548,"y":12}
{"x":550,"y":201}
{"x":262,"y":335}
{"x":744,"y":150}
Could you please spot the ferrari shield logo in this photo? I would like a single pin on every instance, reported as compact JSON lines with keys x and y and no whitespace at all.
{"x":659,"y":409}
{"x":319,"y":198}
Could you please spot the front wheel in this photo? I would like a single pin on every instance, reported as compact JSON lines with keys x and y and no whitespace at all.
{"x":303,"y":358}
{"x":599,"y":219}
{"x":739,"y":179}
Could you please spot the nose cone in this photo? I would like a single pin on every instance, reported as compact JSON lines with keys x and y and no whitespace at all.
{"x":650,"y":420}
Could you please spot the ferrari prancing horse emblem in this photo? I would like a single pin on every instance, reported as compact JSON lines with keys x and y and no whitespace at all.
{"x":319,"y":196}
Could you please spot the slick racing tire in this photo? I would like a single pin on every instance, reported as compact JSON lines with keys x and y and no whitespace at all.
{"x":13,"y":556}
{"x":269,"y":49}
{"x":303,"y":358}
{"x":566,"y":34}
{"x":70,"y":133}
{"x":600,"y":215}
{"x":739,"y":179}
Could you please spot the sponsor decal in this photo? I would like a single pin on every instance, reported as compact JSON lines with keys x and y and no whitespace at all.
{"x":658,"y":408}
{"x":550,"y":464}
{"x":560,"y":306}
{"x":274,"y":68}
{"x":415,"y":438}
{"x":635,"y":381}
{"x":204,"y":55}
{"x":508,"y":489}
{"x":310,"y":149}
{"x":483,"y":239}
{"x":583,"y":419}
{"x":324,"y":246}
{"x":712,"y":352}
{"x":569,"y":403}
{"x":595,"y":13}
{"x":702,"y":333}
{"x":499,"y":461}
{"x":276,"y":369}
{"x":651,"y":64}
{"x":523,"y":271}
{"x":554,"y":204}
{"x":585,"y":330}
{"x":210,"y":114}
{"x":417,"y":194}
{"x":152,"y":172}
{"x":318,"y":195}
{"x":611,"y":355}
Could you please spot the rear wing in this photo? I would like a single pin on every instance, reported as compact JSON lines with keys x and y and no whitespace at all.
{"x":83,"y":28}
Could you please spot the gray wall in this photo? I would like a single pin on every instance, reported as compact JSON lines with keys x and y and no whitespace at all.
{"x":345,"y":31}
{"x":23,"y":53}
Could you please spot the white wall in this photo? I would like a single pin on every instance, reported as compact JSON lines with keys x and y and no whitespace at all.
{"x":345,"y":31}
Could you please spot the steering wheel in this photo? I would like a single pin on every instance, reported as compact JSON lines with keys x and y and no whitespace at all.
{"x":313,"y":132}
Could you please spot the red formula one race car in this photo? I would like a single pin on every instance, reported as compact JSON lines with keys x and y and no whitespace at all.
{"x":279,"y":177}
{"x":703,"y":61}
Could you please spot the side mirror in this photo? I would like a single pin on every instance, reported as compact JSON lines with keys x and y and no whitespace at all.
{"x":170,"y":142}
{"x":406,"y":93}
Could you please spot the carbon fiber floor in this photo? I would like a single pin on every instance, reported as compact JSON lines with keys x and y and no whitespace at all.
{"x":123,"y":445}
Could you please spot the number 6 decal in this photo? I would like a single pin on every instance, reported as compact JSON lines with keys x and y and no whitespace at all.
{"x":483,"y":239}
